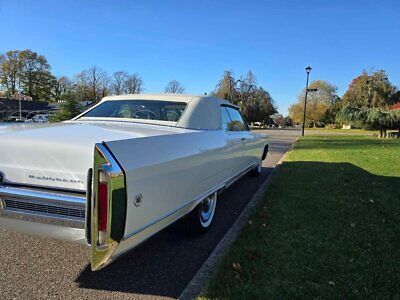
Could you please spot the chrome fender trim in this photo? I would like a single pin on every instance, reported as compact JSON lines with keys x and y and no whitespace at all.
{"x":117,"y":203}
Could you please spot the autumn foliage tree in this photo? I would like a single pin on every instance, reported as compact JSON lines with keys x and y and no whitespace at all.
{"x":319,"y":103}
{"x":371,"y":90}
{"x":26,"y":72}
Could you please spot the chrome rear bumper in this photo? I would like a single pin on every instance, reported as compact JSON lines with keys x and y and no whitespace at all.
{"x":47,"y":213}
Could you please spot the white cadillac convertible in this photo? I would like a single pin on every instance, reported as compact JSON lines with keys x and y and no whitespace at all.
{"x":124,"y":169}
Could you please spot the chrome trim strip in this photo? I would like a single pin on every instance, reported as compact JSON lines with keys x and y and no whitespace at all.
{"x":52,"y":198}
{"x":42,"y":206}
{"x":42,"y":187}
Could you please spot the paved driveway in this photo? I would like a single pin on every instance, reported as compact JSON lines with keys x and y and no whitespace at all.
{"x":32,"y":267}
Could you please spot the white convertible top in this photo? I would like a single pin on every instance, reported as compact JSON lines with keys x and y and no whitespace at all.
{"x":202,"y":112}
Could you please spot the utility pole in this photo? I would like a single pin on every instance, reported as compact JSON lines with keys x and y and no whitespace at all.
{"x":20,"y":113}
{"x":308,"y":70}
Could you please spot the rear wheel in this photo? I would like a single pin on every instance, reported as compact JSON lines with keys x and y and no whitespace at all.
{"x":201,"y":217}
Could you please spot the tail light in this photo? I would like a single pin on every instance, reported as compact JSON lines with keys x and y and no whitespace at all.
{"x":102,"y":208}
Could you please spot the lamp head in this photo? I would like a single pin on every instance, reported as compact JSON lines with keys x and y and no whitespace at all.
{"x":308,"y":69}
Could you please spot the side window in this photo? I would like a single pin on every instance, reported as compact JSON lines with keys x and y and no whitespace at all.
{"x":225,"y":119}
{"x":237,"y":123}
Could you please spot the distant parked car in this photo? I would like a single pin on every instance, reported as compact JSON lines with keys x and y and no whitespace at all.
{"x":42,"y":118}
{"x":258,"y":125}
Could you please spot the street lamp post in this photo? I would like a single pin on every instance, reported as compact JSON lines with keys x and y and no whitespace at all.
{"x":308,"y":70}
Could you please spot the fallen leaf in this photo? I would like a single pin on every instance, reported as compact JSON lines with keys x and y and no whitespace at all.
{"x":331,"y":282}
{"x":264,"y":225}
{"x":250,"y":222}
{"x":237,"y":267}
{"x":353,"y":225}
{"x":372,"y":201}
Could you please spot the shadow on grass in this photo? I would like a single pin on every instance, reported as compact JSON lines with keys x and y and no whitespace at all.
{"x":324,"y":230}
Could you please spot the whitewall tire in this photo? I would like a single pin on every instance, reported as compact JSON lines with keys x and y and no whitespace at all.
{"x":202,"y":216}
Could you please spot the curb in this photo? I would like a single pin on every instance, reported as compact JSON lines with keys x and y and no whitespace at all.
{"x":205,"y":272}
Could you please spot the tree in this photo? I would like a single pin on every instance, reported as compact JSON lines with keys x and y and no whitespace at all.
{"x":174,"y":87}
{"x":92,"y":84}
{"x":134,"y":84}
{"x":318,"y":103}
{"x":226,"y":87}
{"x":258,"y":106}
{"x":35,"y":78}
{"x":255,"y":103}
{"x":94,"y":79}
{"x":81,"y":87}
{"x":370,"y":90}
{"x":118,"y":85}
{"x":370,"y":118}
{"x":104,"y":85}
{"x":70,"y":108}
{"x":27,"y":72}
{"x":61,"y":86}
{"x":10,"y":69}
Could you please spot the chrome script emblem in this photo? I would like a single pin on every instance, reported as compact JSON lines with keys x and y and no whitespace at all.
{"x":55,"y":179}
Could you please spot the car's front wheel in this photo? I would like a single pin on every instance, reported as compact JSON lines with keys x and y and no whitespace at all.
{"x":200,"y":218}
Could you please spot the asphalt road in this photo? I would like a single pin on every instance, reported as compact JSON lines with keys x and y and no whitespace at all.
{"x":36,"y":268}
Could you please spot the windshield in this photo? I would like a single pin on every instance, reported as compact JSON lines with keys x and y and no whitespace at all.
{"x":139,"y":109}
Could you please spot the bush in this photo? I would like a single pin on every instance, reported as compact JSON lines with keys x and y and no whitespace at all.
{"x":370,"y":118}
{"x":70,"y":108}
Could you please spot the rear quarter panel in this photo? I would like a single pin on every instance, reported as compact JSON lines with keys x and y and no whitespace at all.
{"x":169,"y":172}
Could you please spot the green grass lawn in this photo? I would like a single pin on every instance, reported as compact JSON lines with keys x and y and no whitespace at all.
{"x":318,"y":131}
{"x":328,"y":227}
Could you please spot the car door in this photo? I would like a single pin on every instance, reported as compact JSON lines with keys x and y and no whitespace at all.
{"x":247,"y":139}
{"x":237,"y":135}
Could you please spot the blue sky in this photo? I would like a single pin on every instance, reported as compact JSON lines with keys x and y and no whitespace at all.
{"x":195,"y":41}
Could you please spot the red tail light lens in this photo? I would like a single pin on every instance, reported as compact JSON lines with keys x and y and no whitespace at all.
{"x":102,"y":211}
